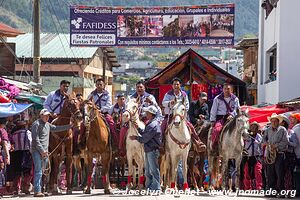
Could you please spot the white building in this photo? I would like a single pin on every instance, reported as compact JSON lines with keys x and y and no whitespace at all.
{"x":279,"y":51}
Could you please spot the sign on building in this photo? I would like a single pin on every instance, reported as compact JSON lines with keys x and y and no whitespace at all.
{"x":211,"y":25}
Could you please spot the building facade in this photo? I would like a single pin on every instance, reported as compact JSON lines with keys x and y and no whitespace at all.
{"x":279,"y":42}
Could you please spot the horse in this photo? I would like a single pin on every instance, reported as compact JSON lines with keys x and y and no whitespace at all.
{"x":230,"y":147}
{"x":97,"y":141}
{"x":134,"y":149}
{"x":61,"y":143}
{"x":196,"y":171}
{"x":178,"y":143}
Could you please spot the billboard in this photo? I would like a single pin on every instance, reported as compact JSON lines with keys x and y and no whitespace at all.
{"x":211,"y":25}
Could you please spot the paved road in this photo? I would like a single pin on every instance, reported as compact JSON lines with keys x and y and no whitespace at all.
{"x":96,"y":194}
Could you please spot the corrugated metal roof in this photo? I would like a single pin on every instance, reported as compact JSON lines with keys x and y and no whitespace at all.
{"x":52,"y":46}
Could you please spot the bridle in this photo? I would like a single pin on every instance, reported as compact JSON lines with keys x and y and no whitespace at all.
{"x":69,"y":108}
{"x":181,"y":145}
{"x":132,"y":118}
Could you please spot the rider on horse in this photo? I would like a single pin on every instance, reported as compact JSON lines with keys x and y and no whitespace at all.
{"x":117,"y":110}
{"x":55,"y":100}
{"x":198,"y":111}
{"x":145,"y":100}
{"x":102,"y":99}
{"x":223,"y":109}
{"x":170,"y":98}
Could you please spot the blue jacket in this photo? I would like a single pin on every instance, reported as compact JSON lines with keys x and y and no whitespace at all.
{"x":151,"y":136}
{"x":103,"y":100}
{"x":54,"y":102}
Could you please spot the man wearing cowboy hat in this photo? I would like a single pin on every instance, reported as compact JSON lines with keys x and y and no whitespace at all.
{"x":276,"y":135}
{"x":40,"y":131}
{"x":253,"y":165}
{"x":151,"y":138}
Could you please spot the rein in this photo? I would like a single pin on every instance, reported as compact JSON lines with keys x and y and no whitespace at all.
{"x":181,"y":145}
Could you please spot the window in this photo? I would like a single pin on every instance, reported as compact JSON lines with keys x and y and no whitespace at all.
{"x":271,"y":65}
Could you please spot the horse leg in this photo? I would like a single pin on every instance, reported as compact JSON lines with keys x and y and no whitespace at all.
{"x":53,"y":187}
{"x":130,"y":172}
{"x":184,"y":168}
{"x":162,"y":167}
{"x":201,"y":172}
{"x":134,"y":176}
{"x":106,"y":158}
{"x":211,"y":166}
{"x":224,"y":174}
{"x":191,"y":168}
{"x":173,"y":172}
{"x":238,"y":161}
{"x":89,"y":174}
{"x":68,"y":173}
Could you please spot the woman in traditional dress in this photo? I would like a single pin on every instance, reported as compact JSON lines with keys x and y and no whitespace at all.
{"x":21,"y":160}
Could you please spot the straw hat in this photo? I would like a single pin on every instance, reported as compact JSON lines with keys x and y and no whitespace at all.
{"x":285,"y":118}
{"x":275,"y":116}
{"x":255,"y":123}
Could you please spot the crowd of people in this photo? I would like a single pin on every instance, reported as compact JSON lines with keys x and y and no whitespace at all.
{"x":25,"y":149}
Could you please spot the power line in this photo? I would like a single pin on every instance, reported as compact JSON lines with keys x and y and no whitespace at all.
{"x":59,"y":36}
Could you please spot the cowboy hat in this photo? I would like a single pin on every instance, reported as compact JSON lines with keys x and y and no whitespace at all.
{"x":44,"y":112}
{"x":275,"y":116}
{"x":296,"y":116}
{"x":285,"y":118}
{"x":151,"y":109}
{"x":255,"y":123}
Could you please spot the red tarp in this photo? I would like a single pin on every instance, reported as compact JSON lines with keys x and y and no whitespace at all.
{"x":261,"y":115}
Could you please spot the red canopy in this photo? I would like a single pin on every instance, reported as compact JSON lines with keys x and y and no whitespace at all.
{"x":261,"y":115}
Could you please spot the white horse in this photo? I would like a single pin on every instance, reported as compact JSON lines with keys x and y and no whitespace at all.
{"x":134,"y":149}
{"x":231,"y":147}
{"x":178,"y":143}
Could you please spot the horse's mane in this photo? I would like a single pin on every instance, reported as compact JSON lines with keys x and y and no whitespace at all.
{"x":230,"y":125}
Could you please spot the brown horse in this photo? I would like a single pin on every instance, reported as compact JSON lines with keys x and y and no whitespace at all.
{"x":60,"y":144}
{"x":196,"y":172}
{"x":98,"y":143}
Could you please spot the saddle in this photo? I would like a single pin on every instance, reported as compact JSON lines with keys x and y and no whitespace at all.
{"x":216,"y":133}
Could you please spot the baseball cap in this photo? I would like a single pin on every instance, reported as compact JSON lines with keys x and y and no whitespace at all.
{"x":44,"y":112}
{"x":203,"y":95}
{"x":151,"y":109}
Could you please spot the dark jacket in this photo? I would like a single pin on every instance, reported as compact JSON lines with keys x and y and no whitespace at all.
{"x":196,"y":110}
{"x":151,"y":136}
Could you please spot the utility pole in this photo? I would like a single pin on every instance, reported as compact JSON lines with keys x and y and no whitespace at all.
{"x":104,"y":64}
{"x":36,"y":41}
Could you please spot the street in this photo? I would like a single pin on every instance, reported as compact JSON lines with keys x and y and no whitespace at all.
{"x":96,"y":194}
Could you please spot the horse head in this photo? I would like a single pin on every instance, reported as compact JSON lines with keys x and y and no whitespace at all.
{"x":179,"y":112}
{"x":72,"y":106}
{"x":131,"y":111}
{"x":242,"y":122}
{"x":90,"y":112}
